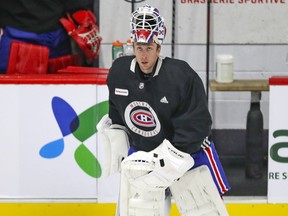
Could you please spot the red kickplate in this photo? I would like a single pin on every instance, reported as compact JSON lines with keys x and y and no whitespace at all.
{"x":27,"y":58}
{"x":278,"y":80}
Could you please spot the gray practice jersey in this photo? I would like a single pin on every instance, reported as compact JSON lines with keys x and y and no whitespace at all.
{"x":168,"y":104}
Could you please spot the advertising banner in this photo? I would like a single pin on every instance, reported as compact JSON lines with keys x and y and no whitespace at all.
{"x":48,"y":142}
{"x":278,"y":142}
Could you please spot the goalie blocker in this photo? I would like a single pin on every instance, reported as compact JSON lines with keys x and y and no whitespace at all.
{"x":206,"y":156}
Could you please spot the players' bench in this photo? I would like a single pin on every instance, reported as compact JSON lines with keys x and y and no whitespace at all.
{"x":254,"y":126}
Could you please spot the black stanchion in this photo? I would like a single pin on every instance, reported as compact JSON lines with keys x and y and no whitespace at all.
{"x":254,"y":139}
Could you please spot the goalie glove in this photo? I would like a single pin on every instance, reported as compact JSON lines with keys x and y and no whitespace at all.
{"x":116,"y":144}
{"x":82,"y":27}
{"x":157,"y":169}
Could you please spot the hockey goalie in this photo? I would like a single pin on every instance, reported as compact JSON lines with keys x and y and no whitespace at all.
{"x":158,"y":130}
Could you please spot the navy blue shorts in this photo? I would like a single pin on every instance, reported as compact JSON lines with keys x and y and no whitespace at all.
{"x":209,"y":156}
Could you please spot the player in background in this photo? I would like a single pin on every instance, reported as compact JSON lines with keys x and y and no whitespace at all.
{"x":37,"y":22}
{"x":159,"y":123}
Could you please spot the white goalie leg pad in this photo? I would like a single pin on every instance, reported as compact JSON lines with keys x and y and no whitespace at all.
{"x":136,"y":201}
{"x":196,"y":194}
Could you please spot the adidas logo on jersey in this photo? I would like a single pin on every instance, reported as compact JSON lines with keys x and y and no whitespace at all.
{"x":164,"y":100}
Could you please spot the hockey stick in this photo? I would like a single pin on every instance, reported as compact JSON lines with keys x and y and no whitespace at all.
{"x":173,"y":28}
{"x":208,"y":50}
{"x":133,"y":3}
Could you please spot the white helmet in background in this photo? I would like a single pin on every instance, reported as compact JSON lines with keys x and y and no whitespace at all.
{"x":147,"y":25}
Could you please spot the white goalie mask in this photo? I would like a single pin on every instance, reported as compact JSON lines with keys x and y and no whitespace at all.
{"x":147,"y":25}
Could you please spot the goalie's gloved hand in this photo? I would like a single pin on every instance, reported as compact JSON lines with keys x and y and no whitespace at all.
{"x":156,"y":169}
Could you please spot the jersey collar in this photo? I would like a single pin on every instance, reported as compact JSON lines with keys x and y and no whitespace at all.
{"x":159,"y":64}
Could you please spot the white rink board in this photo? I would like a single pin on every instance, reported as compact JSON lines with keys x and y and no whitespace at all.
{"x":278,"y":145}
{"x":27,"y":124}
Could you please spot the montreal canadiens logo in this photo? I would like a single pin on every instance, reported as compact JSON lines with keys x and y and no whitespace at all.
{"x":142,"y":119}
